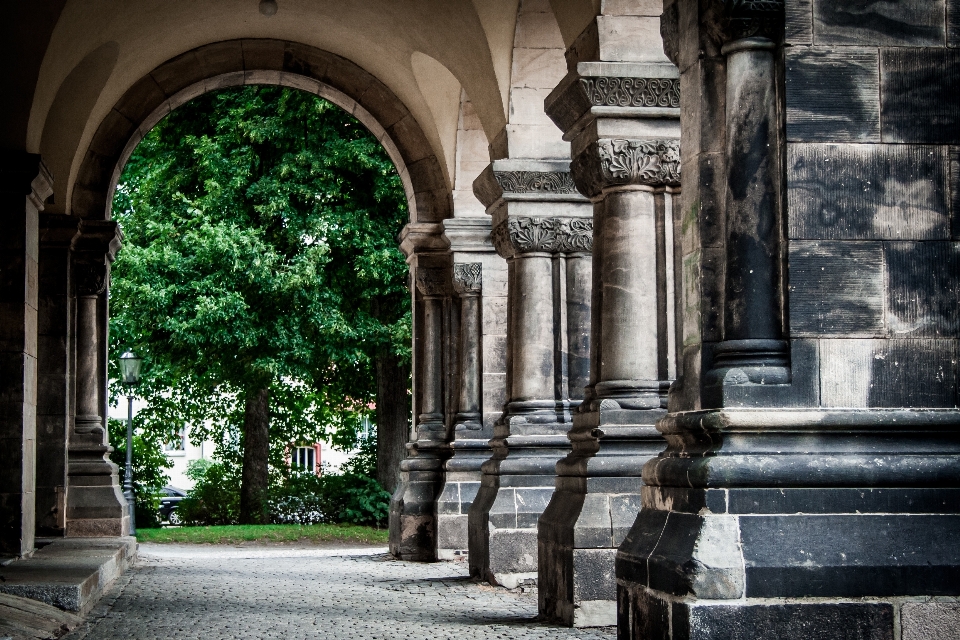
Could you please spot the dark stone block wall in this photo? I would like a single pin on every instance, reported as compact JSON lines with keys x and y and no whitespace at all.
{"x":872,"y":123}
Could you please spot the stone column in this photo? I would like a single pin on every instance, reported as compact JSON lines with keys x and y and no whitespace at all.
{"x":544,"y":230}
{"x":599,"y":484}
{"x":413,"y":509}
{"x":55,"y":369}
{"x":753,"y":350}
{"x":95,"y":504}
{"x":468,"y":283}
{"x":24,"y":185}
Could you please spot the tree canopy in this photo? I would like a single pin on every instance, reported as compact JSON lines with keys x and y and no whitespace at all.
{"x":260,"y":257}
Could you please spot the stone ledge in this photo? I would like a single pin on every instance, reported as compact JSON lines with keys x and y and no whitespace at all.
{"x":70,"y":573}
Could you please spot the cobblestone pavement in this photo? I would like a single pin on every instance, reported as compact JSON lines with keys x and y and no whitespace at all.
{"x":223,"y":592}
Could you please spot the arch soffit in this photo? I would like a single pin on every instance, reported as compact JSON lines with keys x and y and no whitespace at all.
{"x":272,"y":62}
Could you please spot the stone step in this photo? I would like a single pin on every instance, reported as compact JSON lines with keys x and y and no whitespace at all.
{"x":69,"y":573}
{"x":26,"y":618}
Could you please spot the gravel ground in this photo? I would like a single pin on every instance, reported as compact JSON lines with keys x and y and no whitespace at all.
{"x":207,"y":592}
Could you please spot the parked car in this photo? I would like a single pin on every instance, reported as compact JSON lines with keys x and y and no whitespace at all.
{"x":168,"y":505}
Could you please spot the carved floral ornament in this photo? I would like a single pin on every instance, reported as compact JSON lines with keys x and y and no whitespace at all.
{"x":632,"y":92}
{"x":548,"y":235}
{"x":535,"y":181}
{"x":616,"y":162}
{"x":432,"y":282}
{"x":467,"y":277}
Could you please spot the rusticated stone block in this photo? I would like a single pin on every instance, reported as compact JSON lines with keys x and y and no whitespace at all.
{"x":827,"y":621}
{"x":836,"y":288}
{"x":833,"y":95}
{"x":923,"y":286}
{"x":919,"y":95}
{"x":930,"y":620}
{"x":915,"y":23}
{"x":953,"y":23}
{"x":799,"y":22}
{"x":866,"y":192}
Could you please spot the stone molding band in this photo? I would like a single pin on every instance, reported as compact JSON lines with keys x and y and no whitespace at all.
{"x":517,"y":235}
{"x":632,"y":92}
{"x":467,"y":278}
{"x":535,"y":181}
{"x":612,"y":162}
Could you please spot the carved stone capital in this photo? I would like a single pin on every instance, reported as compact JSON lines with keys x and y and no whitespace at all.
{"x":58,"y":230}
{"x":422,"y":237}
{"x":91,"y":277}
{"x":632,"y":92}
{"x":518,"y":235}
{"x":755,"y":19}
{"x":433,"y":282}
{"x":516,"y":180}
{"x":617,"y":162}
{"x":467,"y":278}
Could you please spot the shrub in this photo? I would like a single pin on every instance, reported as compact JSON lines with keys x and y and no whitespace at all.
{"x":349,"y":498}
{"x":214,"y":499}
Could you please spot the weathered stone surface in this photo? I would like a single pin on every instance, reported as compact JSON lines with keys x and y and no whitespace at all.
{"x":929,"y":620}
{"x":918,"y":89}
{"x":867,"y":22}
{"x":867,"y":192}
{"x":833,"y":95}
{"x":836,"y":288}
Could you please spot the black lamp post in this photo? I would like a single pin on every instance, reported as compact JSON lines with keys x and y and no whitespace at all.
{"x":130,"y":376}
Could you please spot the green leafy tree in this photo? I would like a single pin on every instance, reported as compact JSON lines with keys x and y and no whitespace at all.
{"x":260,"y":277}
{"x":147,"y":464}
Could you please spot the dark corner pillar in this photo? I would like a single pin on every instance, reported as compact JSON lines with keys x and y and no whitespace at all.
{"x":413,"y":509}
{"x":56,"y":379}
{"x":24,"y":185}
{"x":544,"y":230}
{"x":811,"y":480}
{"x":623,"y":122}
{"x":95,"y":504}
{"x":480,"y":285}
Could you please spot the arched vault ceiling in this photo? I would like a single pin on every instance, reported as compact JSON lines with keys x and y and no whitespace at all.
{"x":380,"y":36}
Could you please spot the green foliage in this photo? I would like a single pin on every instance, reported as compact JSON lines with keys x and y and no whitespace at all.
{"x":214,"y":499}
{"x":364,"y":460}
{"x":316,"y":533}
{"x":147,"y":463}
{"x":349,"y":498}
{"x":260,"y":227}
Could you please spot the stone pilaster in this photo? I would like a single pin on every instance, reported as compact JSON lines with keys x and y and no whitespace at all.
{"x":784,"y":505}
{"x":623,"y":123}
{"x":413,"y":508}
{"x":543,"y":228}
{"x":24,"y":185}
{"x":95,"y":504}
{"x":56,"y":377}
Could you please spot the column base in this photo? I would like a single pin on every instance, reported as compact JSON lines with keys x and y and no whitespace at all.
{"x":597,"y":499}
{"x":749,"y":551}
{"x":461,"y":483}
{"x":96,"y":507}
{"x":515,"y":488}
{"x":413,"y":508}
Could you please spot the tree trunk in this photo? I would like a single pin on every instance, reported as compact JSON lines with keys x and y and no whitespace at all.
{"x":256,"y":451}
{"x":393,"y":415}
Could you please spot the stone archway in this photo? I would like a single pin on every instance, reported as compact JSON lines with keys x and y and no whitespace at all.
{"x":275,"y":62}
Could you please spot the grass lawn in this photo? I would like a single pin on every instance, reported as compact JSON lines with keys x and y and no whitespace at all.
{"x":265,"y":533}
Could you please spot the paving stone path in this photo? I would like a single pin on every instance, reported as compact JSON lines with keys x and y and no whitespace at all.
{"x":223,"y":592}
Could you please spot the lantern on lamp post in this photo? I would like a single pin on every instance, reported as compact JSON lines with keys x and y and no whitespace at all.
{"x":130,"y":376}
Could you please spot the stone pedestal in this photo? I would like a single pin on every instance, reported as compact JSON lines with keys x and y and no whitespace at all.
{"x":24,"y":185}
{"x":633,"y":183}
{"x":479,"y":282}
{"x":95,"y":504}
{"x":544,"y":230}
{"x":55,"y":360}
